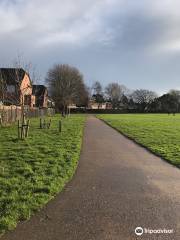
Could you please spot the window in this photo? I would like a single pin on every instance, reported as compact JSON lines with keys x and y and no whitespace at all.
{"x":10,"y":88}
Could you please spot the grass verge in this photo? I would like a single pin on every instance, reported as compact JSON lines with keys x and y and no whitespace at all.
{"x":34,"y":170}
{"x":160,"y":133}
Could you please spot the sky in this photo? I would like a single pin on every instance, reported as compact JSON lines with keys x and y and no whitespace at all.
{"x":133,"y":42}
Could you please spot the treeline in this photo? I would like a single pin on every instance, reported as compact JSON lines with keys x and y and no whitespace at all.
{"x":140,"y":100}
{"x":67,"y":86}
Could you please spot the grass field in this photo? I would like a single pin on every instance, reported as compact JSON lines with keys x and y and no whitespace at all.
{"x":34,"y":170}
{"x":158,"y":132}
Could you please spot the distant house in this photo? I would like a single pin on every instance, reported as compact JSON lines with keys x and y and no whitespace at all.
{"x":40,"y":96}
{"x":94,"y":105}
{"x":16,"y":88}
{"x":109,"y":105}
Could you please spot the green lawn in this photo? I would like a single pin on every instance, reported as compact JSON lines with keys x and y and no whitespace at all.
{"x":34,"y":170}
{"x":158,"y":132}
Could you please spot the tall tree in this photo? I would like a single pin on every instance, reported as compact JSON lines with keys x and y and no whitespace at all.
{"x":124,"y":101}
{"x":84,"y":96}
{"x":98,"y":95}
{"x":66,"y":86}
{"x":97,"y":88}
{"x":176,"y":96}
{"x":166,"y":103}
{"x":114,"y":92}
{"x":143,"y":97}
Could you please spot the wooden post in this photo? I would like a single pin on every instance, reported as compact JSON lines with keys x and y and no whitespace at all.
{"x":11,"y":115}
{"x":22,"y":128}
{"x":49,"y":124}
{"x":24,"y":119}
{"x":18,"y":129}
{"x":27,"y":128}
{"x":41,"y":123}
{"x":22,"y":131}
{"x":60,"y":126}
{"x":1,"y":121}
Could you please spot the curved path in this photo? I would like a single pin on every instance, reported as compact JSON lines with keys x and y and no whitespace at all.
{"x":117,"y":187}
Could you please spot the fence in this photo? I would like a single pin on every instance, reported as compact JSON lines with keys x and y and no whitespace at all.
{"x":104,"y":111}
{"x":10,"y":114}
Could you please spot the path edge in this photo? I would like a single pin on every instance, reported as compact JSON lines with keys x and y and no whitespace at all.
{"x":140,"y":144}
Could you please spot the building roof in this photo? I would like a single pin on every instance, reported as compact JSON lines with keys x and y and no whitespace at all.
{"x":39,"y":90}
{"x":12,"y":76}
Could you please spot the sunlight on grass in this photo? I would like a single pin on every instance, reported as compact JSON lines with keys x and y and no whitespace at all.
{"x":34,"y":170}
{"x":158,"y":132}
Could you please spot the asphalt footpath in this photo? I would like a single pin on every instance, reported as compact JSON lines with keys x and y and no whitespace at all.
{"x":118,"y":186}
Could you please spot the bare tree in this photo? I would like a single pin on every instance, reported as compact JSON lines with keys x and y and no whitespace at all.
{"x":97,"y":88}
{"x":66,"y":86}
{"x":143,"y":97}
{"x":84,"y":96}
{"x":114,"y":92}
{"x":98,"y":94}
{"x":28,"y":66}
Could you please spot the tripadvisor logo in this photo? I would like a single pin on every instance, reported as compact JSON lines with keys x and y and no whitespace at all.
{"x":140,"y":231}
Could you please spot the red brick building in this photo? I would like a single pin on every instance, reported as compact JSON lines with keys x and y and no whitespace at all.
{"x":16,"y":87}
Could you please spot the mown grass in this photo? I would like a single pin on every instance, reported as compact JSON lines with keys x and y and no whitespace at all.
{"x":158,"y":132}
{"x":34,"y":170}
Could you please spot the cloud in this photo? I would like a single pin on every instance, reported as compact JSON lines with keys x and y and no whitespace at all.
{"x":10,"y":22}
{"x":86,"y":22}
{"x":104,"y":38}
{"x":55,"y":21}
